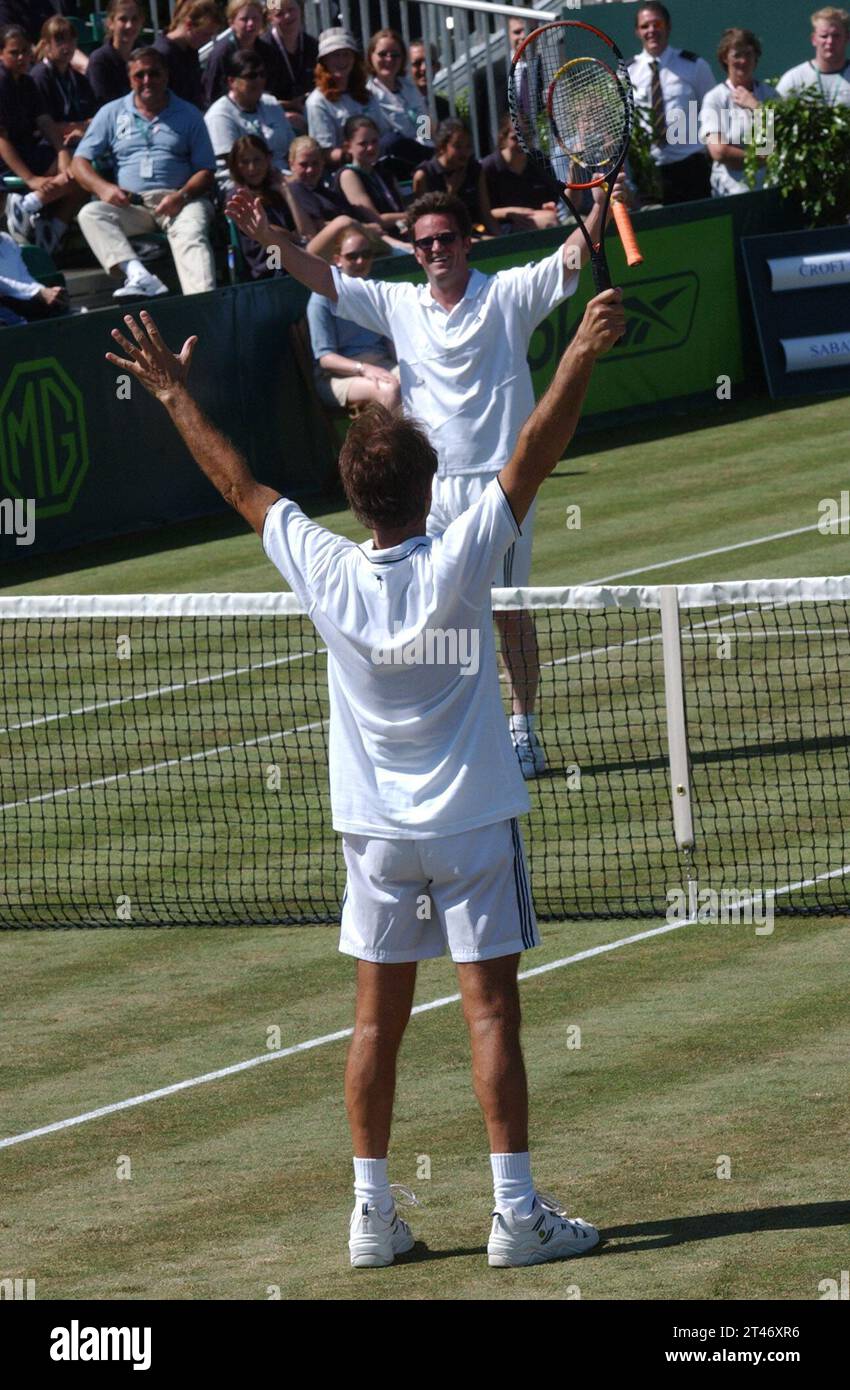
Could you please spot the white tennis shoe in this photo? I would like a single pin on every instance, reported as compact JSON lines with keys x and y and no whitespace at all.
{"x":529,"y":750}
{"x":374,"y":1241}
{"x":548,"y":1234}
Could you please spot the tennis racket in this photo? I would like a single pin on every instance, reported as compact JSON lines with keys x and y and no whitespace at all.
{"x":572,"y":107}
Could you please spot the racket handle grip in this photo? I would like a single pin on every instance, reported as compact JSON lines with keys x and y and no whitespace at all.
{"x":627,"y":234}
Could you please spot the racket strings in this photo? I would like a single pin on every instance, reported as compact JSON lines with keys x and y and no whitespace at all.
{"x":588,"y":115}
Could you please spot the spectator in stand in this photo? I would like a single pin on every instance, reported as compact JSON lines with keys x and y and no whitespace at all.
{"x":403,"y":118}
{"x":32,"y":148}
{"x":453,"y":170}
{"x":418,"y":71}
{"x":671,"y":84}
{"x":353,"y":365}
{"x":314,"y":205}
{"x":519,"y":196}
{"x":107,"y":69}
{"x":66,"y":94}
{"x":726,"y":118}
{"x":247,"y":110}
{"x":829,"y":70}
{"x":195,"y":23}
{"x":246,"y":22}
{"x":164,"y":170}
{"x":22,"y":298}
{"x":290,"y":56}
{"x":359,"y":182}
{"x":340,"y":92}
{"x":252,"y":172}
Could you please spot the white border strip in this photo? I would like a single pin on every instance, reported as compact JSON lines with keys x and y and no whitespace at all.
{"x":770,"y":592}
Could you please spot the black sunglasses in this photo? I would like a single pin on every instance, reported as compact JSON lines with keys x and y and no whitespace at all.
{"x":424,"y":243}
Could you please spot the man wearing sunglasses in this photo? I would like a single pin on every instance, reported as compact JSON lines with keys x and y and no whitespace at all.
{"x":461,"y":340}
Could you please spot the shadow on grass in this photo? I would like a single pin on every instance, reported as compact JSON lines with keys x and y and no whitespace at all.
{"x":681,"y":1230}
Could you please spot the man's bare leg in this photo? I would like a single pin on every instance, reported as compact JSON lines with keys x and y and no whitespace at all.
{"x":522,"y":661}
{"x":490,"y":993}
{"x":384,"y":1001}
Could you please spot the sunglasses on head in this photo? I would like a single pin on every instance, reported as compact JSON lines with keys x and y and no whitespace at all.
{"x":424,"y":243}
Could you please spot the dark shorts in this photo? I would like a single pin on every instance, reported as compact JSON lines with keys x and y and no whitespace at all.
{"x":38,"y":159}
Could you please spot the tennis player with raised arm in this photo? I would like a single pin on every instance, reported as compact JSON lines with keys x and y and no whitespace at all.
{"x":461,"y":341}
{"x":425,"y":785}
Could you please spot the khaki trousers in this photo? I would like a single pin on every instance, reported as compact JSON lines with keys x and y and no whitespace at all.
{"x":107,"y":229}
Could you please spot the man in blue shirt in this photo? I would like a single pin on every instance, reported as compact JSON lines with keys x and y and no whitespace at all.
{"x":164,"y":168}
{"x":353,"y":364}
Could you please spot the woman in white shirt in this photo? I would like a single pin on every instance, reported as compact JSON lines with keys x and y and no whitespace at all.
{"x":729,"y":115}
{"x":403,"y":117}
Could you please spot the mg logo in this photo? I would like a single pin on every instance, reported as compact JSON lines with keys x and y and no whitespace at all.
{"x":43,"y":442}
{"x":659,"y":314}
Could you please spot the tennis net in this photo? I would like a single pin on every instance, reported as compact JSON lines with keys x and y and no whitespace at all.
{"x":163,"y":758}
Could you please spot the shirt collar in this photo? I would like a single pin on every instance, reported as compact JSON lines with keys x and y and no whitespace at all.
{"x":393,"y":552}
{"x":663,"y":59}
{"x":474,"y":285}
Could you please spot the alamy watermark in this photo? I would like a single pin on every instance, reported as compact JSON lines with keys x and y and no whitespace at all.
{"x":434,"y":646}
{"x":17,"y":518}
{"x":683,"y":128}
{"x":753,"y":907}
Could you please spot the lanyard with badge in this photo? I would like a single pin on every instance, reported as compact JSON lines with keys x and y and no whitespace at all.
{"x":834,"y":97}
{"x":147,"y":129}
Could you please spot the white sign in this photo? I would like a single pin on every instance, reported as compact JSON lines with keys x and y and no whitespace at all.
{"x":809,"y":272}
{"x":808,"y":354}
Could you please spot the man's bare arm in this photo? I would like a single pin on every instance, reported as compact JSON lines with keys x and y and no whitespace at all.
{"x":552,"y":424}
{"x":164,"y":375}
{"x":249,"y":215}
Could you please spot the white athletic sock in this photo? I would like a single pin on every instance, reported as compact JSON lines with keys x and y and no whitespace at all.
{"x":522,"y":723}
{"x":512,"y":1184}
{"x":133,"y":269}
{"x":32,"y":204}
{"x":371,"y":1184}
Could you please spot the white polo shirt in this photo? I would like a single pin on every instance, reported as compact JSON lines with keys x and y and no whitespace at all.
{"x":834,"y":87}
{"x":723,"y":121}
{"x":685,"y":81}
{"x":464,"y":373}
{"x":419,"y":741}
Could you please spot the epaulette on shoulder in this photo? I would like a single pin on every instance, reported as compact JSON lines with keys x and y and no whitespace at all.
{"x":688,"y":56}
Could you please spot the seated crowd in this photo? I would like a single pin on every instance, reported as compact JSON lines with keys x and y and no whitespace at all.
{"x":140,"y":138}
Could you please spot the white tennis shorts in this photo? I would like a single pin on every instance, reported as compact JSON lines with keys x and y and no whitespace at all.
{"x":406,"y":899}
{"x":454,"y":495}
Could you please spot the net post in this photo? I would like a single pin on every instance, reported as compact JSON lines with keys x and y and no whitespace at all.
{"x":677,"y":734}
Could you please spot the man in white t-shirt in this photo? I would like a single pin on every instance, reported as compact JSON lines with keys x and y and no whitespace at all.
{"x":829,"y":71}
{"x":425,"y":787}
{"x":461,"y":341}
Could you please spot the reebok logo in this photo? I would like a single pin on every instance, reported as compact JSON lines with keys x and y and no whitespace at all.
{"x":77,"y":1343}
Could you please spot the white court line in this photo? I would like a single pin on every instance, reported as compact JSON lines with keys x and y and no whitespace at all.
{"x":347,"y":1032}
{"x":161,"y":690}
{"x":167,"y":762}
{"x":704,"y":554}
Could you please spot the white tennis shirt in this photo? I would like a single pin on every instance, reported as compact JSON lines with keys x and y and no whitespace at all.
{"x":463,"y":373}
{"x":419,"y":743}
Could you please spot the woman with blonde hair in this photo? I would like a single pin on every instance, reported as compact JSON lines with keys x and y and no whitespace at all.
{"x":66,"y":94}
{"x":340,"y":92}
{"x":195,"y":23}
{"x":246,"y":20}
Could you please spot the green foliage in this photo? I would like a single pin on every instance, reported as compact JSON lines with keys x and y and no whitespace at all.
{"x":643,"y":169}
{"x":809,"y":149}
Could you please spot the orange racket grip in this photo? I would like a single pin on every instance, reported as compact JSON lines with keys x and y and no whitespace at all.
{"x":627,"y":234}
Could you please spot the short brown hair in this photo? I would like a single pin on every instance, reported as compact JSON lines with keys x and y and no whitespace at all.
{"x":736,"y":38}
{"x":439,"y":205}
{"x":386,"y":466}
